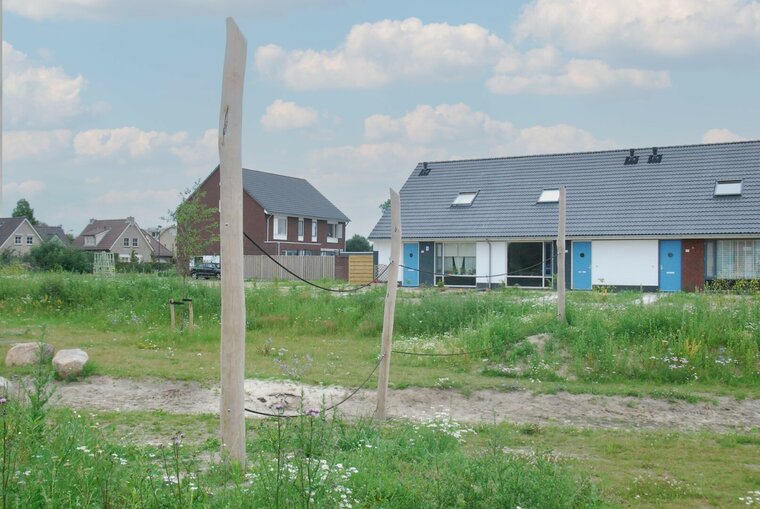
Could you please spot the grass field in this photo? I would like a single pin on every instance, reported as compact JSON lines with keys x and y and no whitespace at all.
{"x":687,"y":347}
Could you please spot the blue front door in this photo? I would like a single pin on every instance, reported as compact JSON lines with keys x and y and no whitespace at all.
{"x":411,"y":263}
{"x":582,"y":265}
{"x":670,"y":265}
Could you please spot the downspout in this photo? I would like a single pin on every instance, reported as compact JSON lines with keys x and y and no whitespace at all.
{"x":489,"y":263}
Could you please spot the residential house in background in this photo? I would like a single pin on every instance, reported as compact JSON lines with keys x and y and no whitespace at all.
{"x":662,"y":218}
{"x":166,"y":239}
{"x":120,"y":236}
{"x":52,"y":233}
{"x":284,"y":215}
{"x":18,"y":236}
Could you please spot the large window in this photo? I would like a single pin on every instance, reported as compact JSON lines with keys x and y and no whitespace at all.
{"x":89,"y":240}
{"x":456,"y":261}
{"x":332,"y":232}
{"x":280,"y":227}
{"x":300,"y":228}
{"x":732,"y":259}
{"x":530,"y":263}
{"x":313,"y":230}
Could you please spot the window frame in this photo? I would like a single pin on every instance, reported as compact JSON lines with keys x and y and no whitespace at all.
{"x":465,"y":199}
{"x":30,"y":240}
{"x":301,"y":228}
{"x":89,"y":240}
{"x":17,"y":240}
{"x":730,"y":187}
{"x":135,"y":242}
{"x":276,"y":234}
{"x":314,"y":230}
{"x":550,"y":195}
{"x":125,"y":242}
{"x":332,"y":239}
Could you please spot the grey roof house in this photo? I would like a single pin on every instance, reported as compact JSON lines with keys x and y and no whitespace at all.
{"x":666,"y":218}
{"x":283,"y":215}
{"x":120,"y":236}
{"x":18,"y":236}
{"x":52,"y":233}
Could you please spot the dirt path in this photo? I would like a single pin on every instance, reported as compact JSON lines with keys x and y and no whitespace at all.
{"x":724,"y":414}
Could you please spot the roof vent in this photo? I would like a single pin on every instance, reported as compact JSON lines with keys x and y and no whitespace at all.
{"x":425,"y":170}
{"x":654,"y":158}
{"x":631,"y":159}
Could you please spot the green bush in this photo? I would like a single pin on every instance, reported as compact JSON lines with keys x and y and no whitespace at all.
{"x":54,"y":256}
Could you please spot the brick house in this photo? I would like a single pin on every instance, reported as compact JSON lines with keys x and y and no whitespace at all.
{"x":284,"y":215}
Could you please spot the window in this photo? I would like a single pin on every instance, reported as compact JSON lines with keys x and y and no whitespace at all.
{"x":290,"y":252}
{"x":29,"y":240}
{"x":280,"y":227}
{"x":300,"y":228}
{"x":549,"y":196}
{"x":457,"y":262}
{"x":732,"y":259}
{"x":329,"y":252}
{"x":126,"y":241}
{"x":339,"y":231}
{"x":124,"y":258}
{"x":530,"y":263}
{"x":17,"y":240}
{"x":313,"y":230}
{"x":89,"y":240}
{"x":728,"y":188}
{"x":134,"y":242}
{"x":332,"y":232}
{"x":464,"y":199}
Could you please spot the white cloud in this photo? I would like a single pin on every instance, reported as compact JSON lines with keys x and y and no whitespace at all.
{"x":24,"y":189}
{"x":580,"y":77}
{"x":34,"y":95}
{"x":662,"y":27}
{"x":21,"y":145}
{"x":285,"y":115}
{"x":721,"y":136}
{"x":202,"y":151}
{"x":120,"y":9}
{"x":105,"y":143}
{"x":135,"y":198}
{"x":552,"y":139}
{"x":374,"y":54}
{"x":445,"y":122}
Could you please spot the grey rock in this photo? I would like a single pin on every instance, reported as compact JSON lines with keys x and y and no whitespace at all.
{"x":25,"y":354}
{"x":70,"y":362}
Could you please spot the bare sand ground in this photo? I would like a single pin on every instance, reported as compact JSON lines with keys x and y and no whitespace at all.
{"x":721,"y":414}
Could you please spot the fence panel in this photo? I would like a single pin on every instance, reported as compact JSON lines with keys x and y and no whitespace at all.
{"x":308,"y":267}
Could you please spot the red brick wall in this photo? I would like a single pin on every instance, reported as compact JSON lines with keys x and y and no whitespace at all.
{"x":692,"y":265}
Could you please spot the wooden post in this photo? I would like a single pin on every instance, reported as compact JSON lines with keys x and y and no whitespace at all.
{"x":171,"y":315}
{"x":390,"y":307}
{"x":561,"y":256}
{"x":190,"y":327}
{"x":232,"y":401}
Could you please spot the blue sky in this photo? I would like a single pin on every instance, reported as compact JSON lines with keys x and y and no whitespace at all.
{"x":110,"y":108}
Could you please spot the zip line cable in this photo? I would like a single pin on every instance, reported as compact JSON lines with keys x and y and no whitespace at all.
{"x":517,"y":272}
{"x":336,"y":405}
{"x":315,"y":285}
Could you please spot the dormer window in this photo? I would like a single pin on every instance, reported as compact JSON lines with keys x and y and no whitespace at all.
{"x":89,"y":240}
{"x":549,"y":196}
{"x":728,"y":188}
{"x":464,"y":199}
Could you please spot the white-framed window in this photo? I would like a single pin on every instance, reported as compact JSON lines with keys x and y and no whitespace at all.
{"x":29,"y":240}
{"x":300,"y":229}
{"x":464,"y":199}
{"x":329,"y":252}
{"x":728,"y":188}
{"x":126,"y":242}
{"x":280,"y":227}
{"x":332,"y":232}
{"x":124,"y":257}
{"x":313,"y":230}
{"x":134,"y":242}
{"x":549,"y":196}
{"x":17,"y":240}
{"x":339,"y":231}
{"x":89,"y":240}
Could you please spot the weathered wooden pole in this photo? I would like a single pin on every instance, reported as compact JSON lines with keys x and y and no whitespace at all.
{"x":172,"y":315}
{"x":232,"y":407}
{"x":561,"y":256}
{"x":390,"y":307}
{"x":190,"y":325}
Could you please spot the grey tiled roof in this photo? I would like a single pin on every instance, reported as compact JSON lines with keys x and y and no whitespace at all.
{"x":8,"y":225}
{"x":296,"y":197}
{"x":48,"y":232}
{"x":605,"y":198}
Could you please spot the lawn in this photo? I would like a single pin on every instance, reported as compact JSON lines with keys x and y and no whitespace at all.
{"x":689,"y":347}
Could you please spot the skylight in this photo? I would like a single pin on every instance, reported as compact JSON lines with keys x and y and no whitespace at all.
{"x":728,"y":188}
{"x":549,"y":196}
{"x":464,"y":199}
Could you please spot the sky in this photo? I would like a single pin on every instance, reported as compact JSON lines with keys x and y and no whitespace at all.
{"x":111,"y":108}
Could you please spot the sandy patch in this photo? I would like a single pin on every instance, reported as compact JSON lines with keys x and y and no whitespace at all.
{"x":484,"y":406}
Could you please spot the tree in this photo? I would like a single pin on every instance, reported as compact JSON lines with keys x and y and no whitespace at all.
{"x":385,"y":206}
{"x":358,"y":243}
{"x":23,"y":209}
{"x":52,"y":255}
{"x":197,"y":227}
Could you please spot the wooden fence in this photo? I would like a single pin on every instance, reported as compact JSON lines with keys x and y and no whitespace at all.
{"x":308,"y":267}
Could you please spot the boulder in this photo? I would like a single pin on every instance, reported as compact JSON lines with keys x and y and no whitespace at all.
{"x":25,"y":354}
{"x":70,"y":362}
{"x":6,"y":387}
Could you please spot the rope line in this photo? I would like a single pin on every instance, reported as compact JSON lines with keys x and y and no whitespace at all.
{"x":315,"y":285}
{"x":518,"y":272}
{"x":421,"y":354}
{"x":336,"y":405}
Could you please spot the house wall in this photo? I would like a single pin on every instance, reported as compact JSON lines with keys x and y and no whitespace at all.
{"x":142,"y":250}
{"x":692,"y":265}
{"x":258,"y":226}
{"x":496,"y":265}
{"x":625,"y":262}
{"x":25,"y":229}
{"x":383,"y":248}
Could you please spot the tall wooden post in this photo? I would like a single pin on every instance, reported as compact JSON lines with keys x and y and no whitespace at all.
{"x":172,"y":316}
{"x":561,"y":256}
{"x":232,"y":408}
{"x":390,"y":307}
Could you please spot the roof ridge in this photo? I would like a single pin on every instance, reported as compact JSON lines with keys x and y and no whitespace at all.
{"x":276,"y":174}
{"x":607,"y":151}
